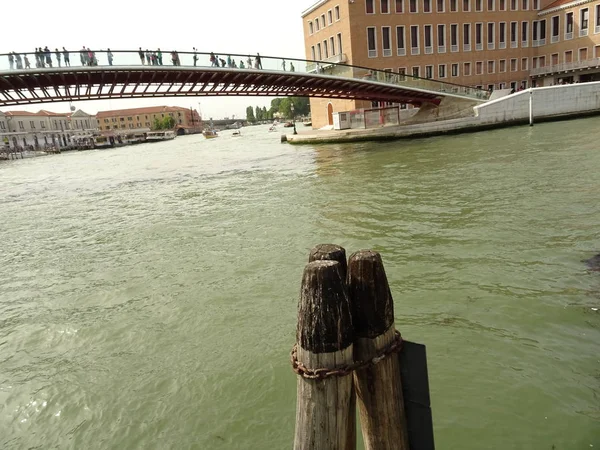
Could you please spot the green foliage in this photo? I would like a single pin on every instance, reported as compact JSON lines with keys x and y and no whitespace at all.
{"x":250,"y":114}
{"x":281,"y":106}
{"x":167,"y":123}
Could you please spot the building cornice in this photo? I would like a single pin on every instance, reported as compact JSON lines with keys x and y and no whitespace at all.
{"x":313,"y":7}
{"x":563,"y":7}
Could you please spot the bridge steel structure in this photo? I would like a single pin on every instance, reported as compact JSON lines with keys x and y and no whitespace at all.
{"x":128,"y":74}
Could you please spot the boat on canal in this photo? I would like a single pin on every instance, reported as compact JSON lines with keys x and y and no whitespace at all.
{"x":210,"y":134}
{"x":163,"y":135}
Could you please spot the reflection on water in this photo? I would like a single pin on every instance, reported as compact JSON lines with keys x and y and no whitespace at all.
{"x":149,"y":293}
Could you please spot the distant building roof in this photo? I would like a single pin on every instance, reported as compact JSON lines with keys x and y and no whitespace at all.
{"x":137,"y":111}
{"x":560,"y":3}
{"x":37,"y":114}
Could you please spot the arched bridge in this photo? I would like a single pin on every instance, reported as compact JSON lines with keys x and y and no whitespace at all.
{"x":27,"y":78}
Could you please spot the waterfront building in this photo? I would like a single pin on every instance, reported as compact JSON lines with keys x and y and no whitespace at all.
{"x":490,"y":44}
{"x":43,"y":129}
{"x":187,"y":120}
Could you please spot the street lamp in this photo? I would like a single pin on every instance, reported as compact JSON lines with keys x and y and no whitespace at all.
{"x":293,"y":117}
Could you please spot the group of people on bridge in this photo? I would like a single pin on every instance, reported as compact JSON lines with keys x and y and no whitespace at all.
{"x":44,"y":57}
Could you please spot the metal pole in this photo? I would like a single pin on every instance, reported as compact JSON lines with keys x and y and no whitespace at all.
{"x":530,"y":107}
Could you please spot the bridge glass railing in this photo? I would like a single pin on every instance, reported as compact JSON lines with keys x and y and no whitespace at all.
{"x":149,"y":58}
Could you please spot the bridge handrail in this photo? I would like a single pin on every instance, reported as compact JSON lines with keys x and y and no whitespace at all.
{"x":268,"y":63}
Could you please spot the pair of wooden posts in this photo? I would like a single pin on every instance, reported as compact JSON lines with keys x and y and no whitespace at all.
{"x":345,"y":351}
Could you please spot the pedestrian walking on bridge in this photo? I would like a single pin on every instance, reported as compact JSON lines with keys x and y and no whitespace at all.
{"x":66,"y":57}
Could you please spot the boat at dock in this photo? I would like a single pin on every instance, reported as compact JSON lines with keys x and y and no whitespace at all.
{"x":163,"y":135}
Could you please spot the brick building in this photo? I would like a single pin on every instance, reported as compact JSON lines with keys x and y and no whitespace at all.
{"x":491,"y":44}
{"x":142,"y":119}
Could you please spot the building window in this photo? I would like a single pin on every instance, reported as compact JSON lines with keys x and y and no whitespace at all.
{"x":317,"y":27}
{"x":453,"y":5}
{"x":454,"y":37}
{"x":332,"y":45}
{"x":312,"y":54}
{"x":426,"y":6}
{"x":524,"y":64}
{"x":329,"y":17}
{"x":441,"y":6}
{"x":584,"y":16}
{"x":386,"y":36}
{"x":454,"y":69}
{"x":325,"y":49}
{"x":542,"y":32}
{"x":412,"y":6}
{"x":466,"y":37}
{"x":414,"y":40}
{"x":339,"y":42}
{"x":32,"y":124}
{"x":43,"y":125}
{"x":399,"y":6}
{"x":385,"y":6}
{"x":583,"y":54}
{"x":569,"y":28}
{"x":370,"y":6}
{"x":372,"y":42}
{"x":428,"y":32}
{"x":478,"y":36}
{"x":319,"y":54}
{"x":466,"y":5}
{"x":441,"y":30}
{"x":402,"y":72}
{"x":513,"y":34}
{"x":514,"y":5}
{"x":555,"y":29}
{"x":415,"y":71}
{"x":502,"y":37}
{"x":491,"y":66}
{"x":479,"y":67}
{"x":310,"y":28}
{"x":502,"y":66}
{"x":569,"y":56}
{"x":536,"y":4}
{"x":428,"y":71}
{"x":597,"y":27}
{"x":524,"y":34}
{"x":502,"y":5}
{"x":467,"y":69}
{"x":400,"y":40}
{"x":490,"y":5}
{"x":524,"y":5}
{"x":337,"y":13}
{"x":490,"y":36}
{"x":323,"y":23}
{"x":513,"y":64}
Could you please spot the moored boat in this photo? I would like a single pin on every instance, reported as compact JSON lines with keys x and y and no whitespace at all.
{"x":162,"y":135}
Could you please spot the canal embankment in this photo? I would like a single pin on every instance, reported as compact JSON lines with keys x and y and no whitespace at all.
{"x":527,"y":106}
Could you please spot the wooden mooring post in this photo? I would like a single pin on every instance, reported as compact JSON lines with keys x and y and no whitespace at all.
{"x":379,"y":385}
{"x":348,"y":350}
{"x":325,"y":415}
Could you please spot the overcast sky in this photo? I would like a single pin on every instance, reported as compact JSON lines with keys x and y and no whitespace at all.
{"x":270,"y":27}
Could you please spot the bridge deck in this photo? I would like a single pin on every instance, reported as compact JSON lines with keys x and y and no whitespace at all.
{"x":129,"y":80}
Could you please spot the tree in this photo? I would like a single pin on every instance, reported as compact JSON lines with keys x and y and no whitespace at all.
{"x":250,"y":114}
{"x":258,"y":113}
{"x":167,"y":123}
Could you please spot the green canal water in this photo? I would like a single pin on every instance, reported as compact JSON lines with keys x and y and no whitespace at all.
{"x":148,"y":294}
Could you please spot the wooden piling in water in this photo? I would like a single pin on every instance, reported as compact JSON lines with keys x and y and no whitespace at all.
{"x":378,"y":386}
{"x":330,"y":252}
{"x":324,"y":413}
